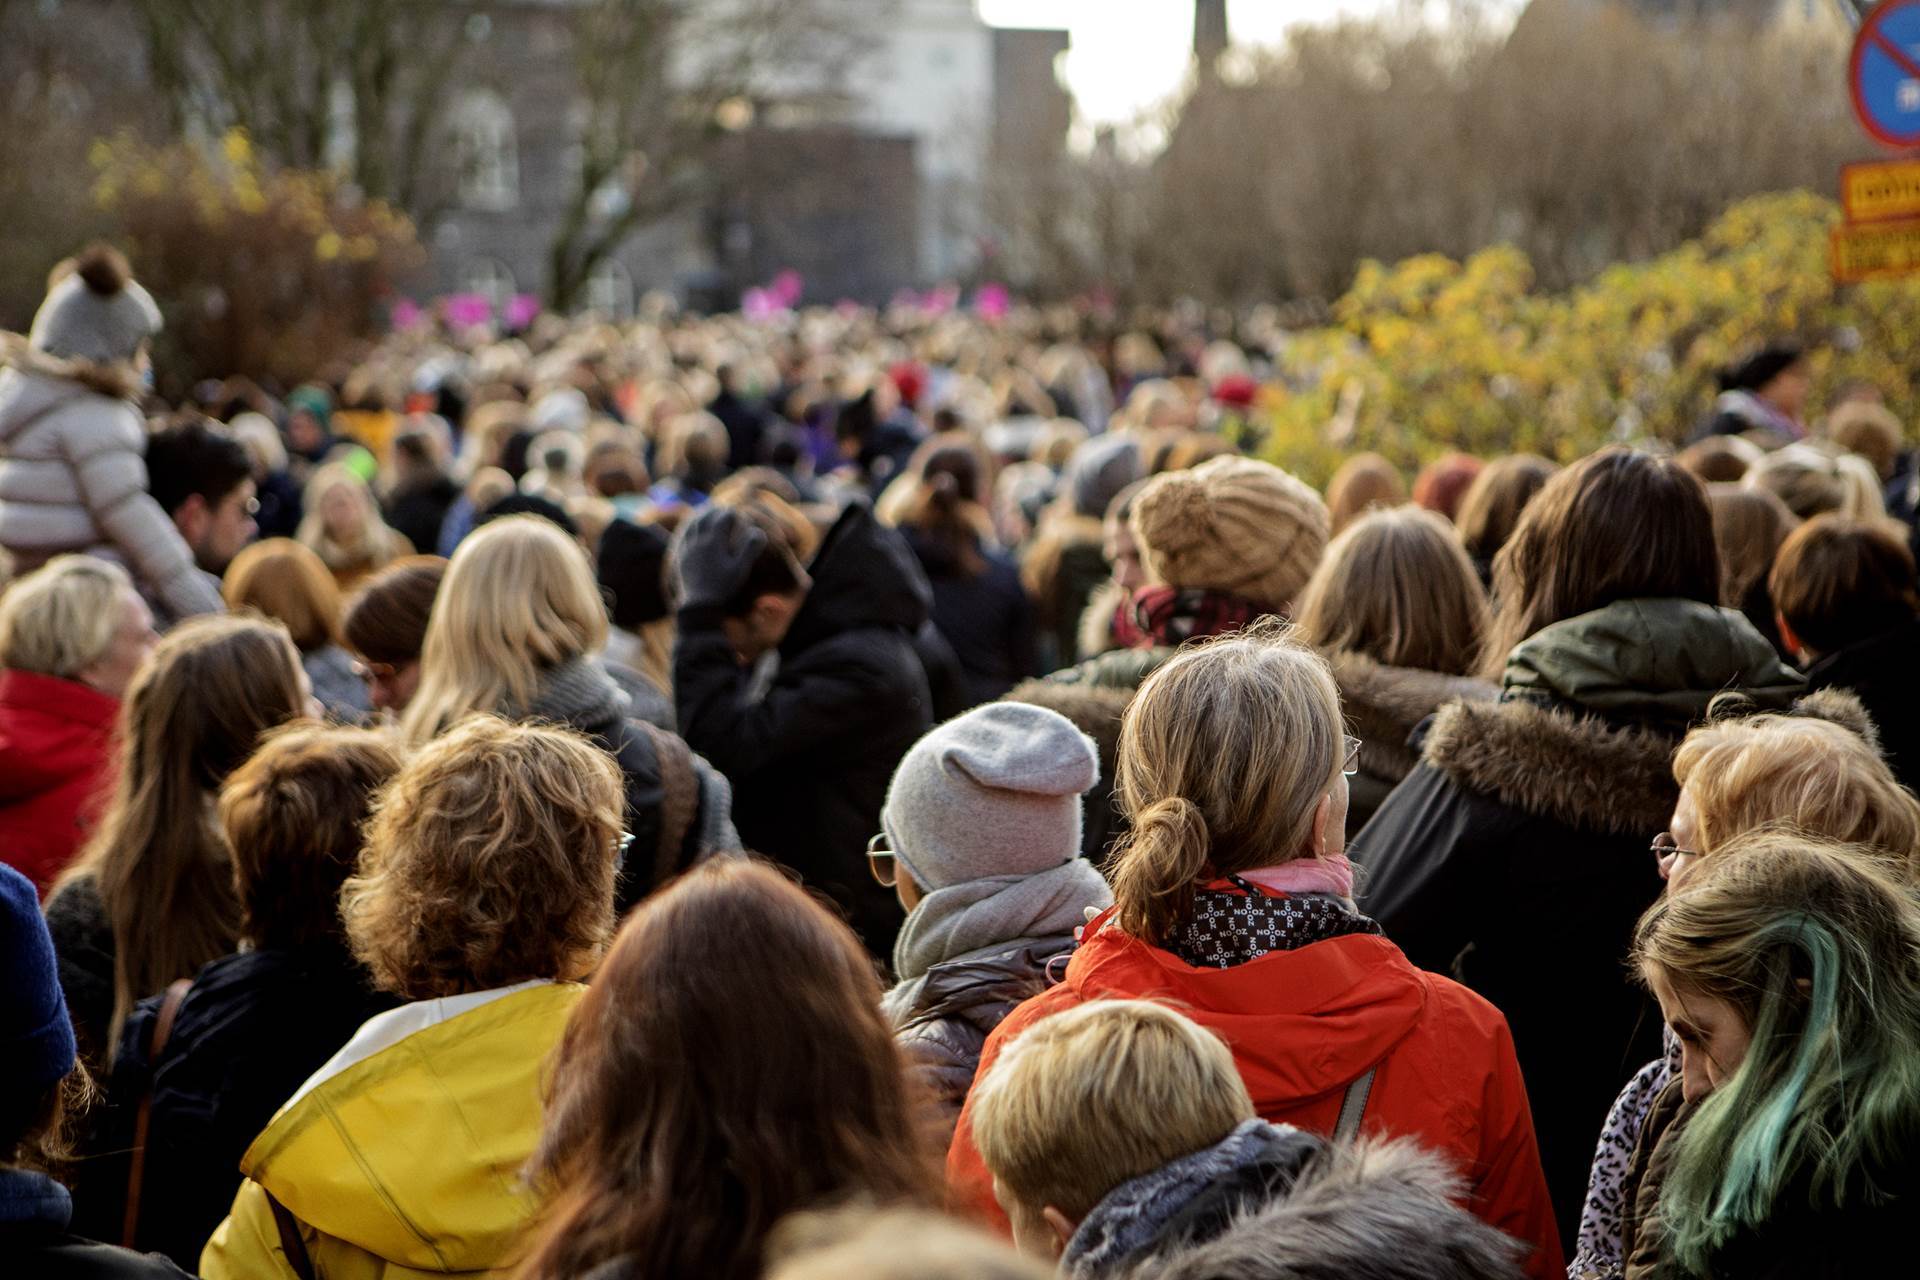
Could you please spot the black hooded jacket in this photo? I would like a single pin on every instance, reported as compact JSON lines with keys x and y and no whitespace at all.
{"x":1880,"y":671}
{"x":253,"y":1027}
{"x":811,"y":757}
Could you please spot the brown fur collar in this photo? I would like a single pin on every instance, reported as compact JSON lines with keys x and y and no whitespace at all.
{"x":1579,"y":770}
{"x":115,"y":381}
{"x":1385,"y":704}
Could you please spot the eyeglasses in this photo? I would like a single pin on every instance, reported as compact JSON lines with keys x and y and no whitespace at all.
{"x":370,"y":672}
{"x":881,"y":862}
{"x":621,"y":846}
{"x":1351,"y":765}
{"x":1667,"y":853}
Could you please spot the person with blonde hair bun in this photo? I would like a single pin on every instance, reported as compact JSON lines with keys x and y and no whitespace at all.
{"x":484,"y":898}
{"x":1789,"y":970}
{"x":1817,"y":771}
{"x":513,"y":632}
{"x":1234,"y":898}
{"x":72,"y":634}
{"x":1399,"y":613}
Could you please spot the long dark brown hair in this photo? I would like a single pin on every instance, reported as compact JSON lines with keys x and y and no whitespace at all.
{"x":729,"y":1065}
{"x":1621,"y":524}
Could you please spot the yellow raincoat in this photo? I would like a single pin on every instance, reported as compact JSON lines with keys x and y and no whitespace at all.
{"x":408,"y":1162}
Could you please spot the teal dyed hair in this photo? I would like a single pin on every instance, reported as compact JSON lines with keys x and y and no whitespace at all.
{"x":1817,"y":946}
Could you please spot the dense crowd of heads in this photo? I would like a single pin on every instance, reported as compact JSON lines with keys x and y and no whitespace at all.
{"x":806,"y":796}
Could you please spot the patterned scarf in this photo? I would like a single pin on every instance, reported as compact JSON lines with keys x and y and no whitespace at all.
{"x":1170,"y":616}
{"x":1234,"y":921}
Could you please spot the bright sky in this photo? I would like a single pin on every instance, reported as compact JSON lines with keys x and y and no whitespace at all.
{"x":1129,"y":54}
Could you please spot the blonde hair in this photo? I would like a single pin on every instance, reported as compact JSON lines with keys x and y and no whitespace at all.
{"x":1088,"y":1099}
{"x":374,"y":544}
{"x":1813,"y":481}
{"x":285,"y":581}
{"x":489,"y":861}
{"x":1749,"y":525}
{"x":1869,"y":430}
{"x":1397,"y":586}
{"x":1814,"y":776}
{"x":862,"y":1243}
{"x":60,"y":619}
{"x":1225,"y":754}
{"x":193,"y":714}
{"x":518,"y":599}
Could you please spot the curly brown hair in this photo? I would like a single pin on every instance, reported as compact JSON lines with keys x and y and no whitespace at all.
{"x":489,"y":861}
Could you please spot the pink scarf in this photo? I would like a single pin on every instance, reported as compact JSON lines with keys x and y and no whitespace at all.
{"x":1306,"y":875}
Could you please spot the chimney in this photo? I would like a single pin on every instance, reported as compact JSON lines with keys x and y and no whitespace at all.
{"x":1210,"y":37}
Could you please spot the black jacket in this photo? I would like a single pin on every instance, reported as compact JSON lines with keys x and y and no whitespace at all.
{"x":986,"y":617}
{"x":810,"y":759}
{"x":253,"y":1027}
{"x":1884,"y":673}
{"x":417,"y":513}
{"x":1516,"y":857}
{"x":746,"y":426}
{"x":37,"y":1244}
{"x":1384,"y":705}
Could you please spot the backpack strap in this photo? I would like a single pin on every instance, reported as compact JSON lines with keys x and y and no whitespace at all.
{"x":1353,"y":1106}
{"x":679,"y":799}
{"x":291,"y":1242}
{"x":143,"y":1120}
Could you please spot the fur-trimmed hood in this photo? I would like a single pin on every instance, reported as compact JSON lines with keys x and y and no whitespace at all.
{"x":1385,"y":704}
{"x":119,"y":381}
{"x":1575,"y":769}
{"x":1582,"y":770}
{"x":1367,"y":1211}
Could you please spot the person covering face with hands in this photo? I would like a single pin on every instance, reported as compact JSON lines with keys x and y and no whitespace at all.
{"x":801,"y":684}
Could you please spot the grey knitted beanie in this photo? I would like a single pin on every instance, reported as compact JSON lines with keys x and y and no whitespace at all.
{"x":995,"y":792}
{"x":96,"y":312}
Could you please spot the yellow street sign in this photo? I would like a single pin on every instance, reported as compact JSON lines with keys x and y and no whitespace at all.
{"x":1876,"y":250}
{"x":1880,"y":190}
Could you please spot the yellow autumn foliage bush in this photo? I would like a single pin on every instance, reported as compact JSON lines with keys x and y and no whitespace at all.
{"x":264,"y":272}
{"x":1431,"y":355}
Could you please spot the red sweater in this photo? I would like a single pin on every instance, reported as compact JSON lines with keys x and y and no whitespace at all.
{"x":1305,"y":1024}
{"x":56,"y":754}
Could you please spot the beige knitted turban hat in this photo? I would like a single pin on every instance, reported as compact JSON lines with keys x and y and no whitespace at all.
{"x":1233,"y":525}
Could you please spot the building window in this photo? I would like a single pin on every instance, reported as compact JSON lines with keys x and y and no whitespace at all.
{"x":610,"y":290}
{"x":490,"y":278}
{"x":487,"y":152}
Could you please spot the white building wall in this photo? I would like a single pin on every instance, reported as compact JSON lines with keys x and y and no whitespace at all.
{"x":930,"y":75}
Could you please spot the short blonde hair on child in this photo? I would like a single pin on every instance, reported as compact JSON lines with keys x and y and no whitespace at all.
{"x":1091,"y":1098}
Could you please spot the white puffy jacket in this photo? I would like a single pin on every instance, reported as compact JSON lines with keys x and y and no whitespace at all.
{"x":73,"y":478}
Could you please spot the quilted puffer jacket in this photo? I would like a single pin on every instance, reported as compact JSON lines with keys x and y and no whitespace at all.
{"x":73,"y":477}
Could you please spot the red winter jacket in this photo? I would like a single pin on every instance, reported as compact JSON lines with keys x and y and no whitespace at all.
{"x":56,"y":753}
{"x":1305,"y":1024}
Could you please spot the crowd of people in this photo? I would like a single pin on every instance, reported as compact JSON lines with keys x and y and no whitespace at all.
{"x":879,"y":795}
